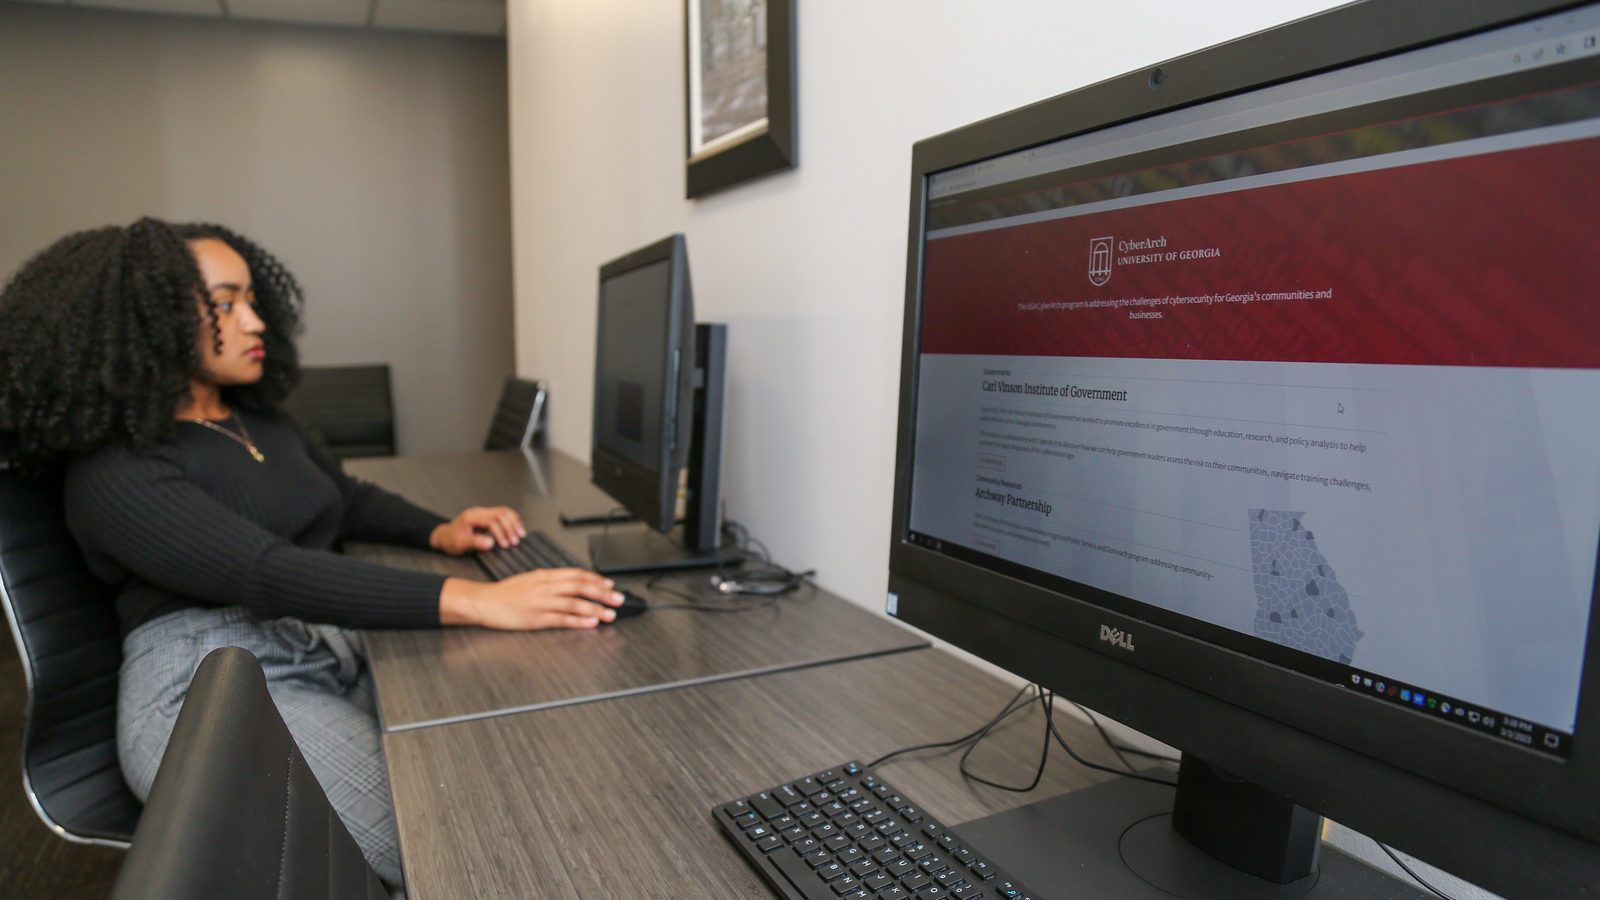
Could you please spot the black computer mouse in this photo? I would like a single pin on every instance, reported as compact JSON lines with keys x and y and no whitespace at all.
{"x":632,"y":605}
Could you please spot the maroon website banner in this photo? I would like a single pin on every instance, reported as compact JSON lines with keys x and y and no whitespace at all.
{"x":1487,"y":260}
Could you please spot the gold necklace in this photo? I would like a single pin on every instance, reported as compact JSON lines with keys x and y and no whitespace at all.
{"x":248,"y":444}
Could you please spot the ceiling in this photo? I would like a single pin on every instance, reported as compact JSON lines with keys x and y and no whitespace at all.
{"x":485,"y":17}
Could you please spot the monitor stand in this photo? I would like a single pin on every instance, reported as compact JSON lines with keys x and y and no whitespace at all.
{"x":642,"y":550}
{"x":1117,"y":839}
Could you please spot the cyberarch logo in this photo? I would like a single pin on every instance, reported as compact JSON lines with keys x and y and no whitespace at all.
{"x":1100,"y":260}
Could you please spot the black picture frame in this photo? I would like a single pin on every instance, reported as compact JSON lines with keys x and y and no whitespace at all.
{"x":762,"y":149}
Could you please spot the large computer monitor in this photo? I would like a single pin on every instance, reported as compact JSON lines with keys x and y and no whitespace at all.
{"x":1254,"y":400}
{"x":659,"y":400}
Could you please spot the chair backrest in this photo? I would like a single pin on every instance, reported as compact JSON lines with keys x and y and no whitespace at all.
{"x":235,"y":811}
{"x":350,"y":408}
{"x":519,"y":419}
{"x":65,"y":626}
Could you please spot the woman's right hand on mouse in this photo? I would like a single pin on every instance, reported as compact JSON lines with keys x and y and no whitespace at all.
{"x":543,"y":598}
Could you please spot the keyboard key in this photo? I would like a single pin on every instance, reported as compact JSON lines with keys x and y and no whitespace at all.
{"x":846,"y":819}
{"x":769,"y":843}
{"x":869,"y":843}
{"x":817,"y":857}
{"x":811,"y":819}
{"x":851,"y":769}
{"x":835,"y":785}
{"x":826,"y":776}
{"x":859,"y":893}
{"x":847,"y":796}
{"x":767,"y":805}
{"x":915,"y":882}
{"x":874,"y":817}
{"x":847,"y":883}
{"x":787,"y":795}
{"x":793,"y":833}
{"x":933,"y":864}
{"x":888,"y":827}
{"x":963,"y":855}
{"x":902,"y":839}
{"x":824,"y":831}
{"x":932,"y":892}
{"x":746,"y":819}
{"x":899,"y":867}
{"x":805,"y":845}
{"x":932,"y":829}
{"x":895,"y":801}
{"x":894,"y":893}
{"x":966,"y":892}
{"x":862,"y":806}
{"x":862,"y":867}
{"x":836,"y":843}
{"x":855,"y":830}
{"x":831,"y":870}
{"x":883,"y":790}
{"x":884,"y":856}
{"x":779,"y":823}
{"x":910,"y":813}
{"x":870,"y":782}
{"x":758,"y":832}
{"x":736,"y":809}
{"x":849,"y":854}
{"x":916,"y":851}
{"x":877,"y":882}
{"x":981,"y":871}
{"x":800,"y":809}
{"x":950,"y":878}
{"x":832,"y":808}
{"x":1008,"y":890}
{"x":947,"y":841}
{"x":807,"y":785}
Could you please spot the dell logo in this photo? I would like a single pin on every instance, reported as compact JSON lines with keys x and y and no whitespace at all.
{"x":1116,"y":637}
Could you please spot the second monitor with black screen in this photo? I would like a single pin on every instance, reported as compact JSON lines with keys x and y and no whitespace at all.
{"x":658,"y":408}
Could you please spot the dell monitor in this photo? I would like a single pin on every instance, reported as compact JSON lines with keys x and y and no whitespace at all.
{"x":1253,"y":399}
{"x":658,"y":407}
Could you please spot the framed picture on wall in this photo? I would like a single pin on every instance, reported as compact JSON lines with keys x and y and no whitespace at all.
{"x":741,"y":86}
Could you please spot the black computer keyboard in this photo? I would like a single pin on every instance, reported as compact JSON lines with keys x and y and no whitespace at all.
{"x":845,"y":833}
{"x":537,"y":551}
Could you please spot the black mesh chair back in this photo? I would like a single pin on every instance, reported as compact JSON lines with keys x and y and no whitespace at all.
{"x":348,"y":409}
{"x":65,"y":626}
{"x":519,"y":419}
{"x":234,"y":811}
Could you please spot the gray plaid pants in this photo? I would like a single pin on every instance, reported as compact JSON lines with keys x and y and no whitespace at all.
{"x":317,"y":678}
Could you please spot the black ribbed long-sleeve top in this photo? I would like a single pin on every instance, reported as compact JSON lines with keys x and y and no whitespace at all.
{"x":197,"y":522}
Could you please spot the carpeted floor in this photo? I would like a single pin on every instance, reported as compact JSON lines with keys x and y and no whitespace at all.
{"x":34,"y":863}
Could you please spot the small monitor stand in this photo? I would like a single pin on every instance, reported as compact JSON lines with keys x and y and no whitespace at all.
{"x":699,"y":541}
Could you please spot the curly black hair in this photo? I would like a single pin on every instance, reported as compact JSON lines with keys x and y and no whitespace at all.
{"x":99,"y":339}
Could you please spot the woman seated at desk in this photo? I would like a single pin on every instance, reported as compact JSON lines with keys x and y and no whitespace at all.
{"x":151,"y":360}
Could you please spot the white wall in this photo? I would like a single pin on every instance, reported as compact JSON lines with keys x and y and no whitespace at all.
{"x":807,"y":267}
{"x":374,"y":164}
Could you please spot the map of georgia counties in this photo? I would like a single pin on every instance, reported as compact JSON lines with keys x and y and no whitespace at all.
{"x":1299,"y":604}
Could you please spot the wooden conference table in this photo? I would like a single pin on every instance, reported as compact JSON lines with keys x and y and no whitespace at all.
{"x":585,"y":764}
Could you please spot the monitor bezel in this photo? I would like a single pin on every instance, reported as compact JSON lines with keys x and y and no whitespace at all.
{"x":1423,"y":764}
{"x":652,"y":496}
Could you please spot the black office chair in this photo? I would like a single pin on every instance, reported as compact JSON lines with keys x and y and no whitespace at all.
{"x":519,"y":420}
{"x":348,"y":409}
{"x":66,"y":631}
{"x":235,"y":811}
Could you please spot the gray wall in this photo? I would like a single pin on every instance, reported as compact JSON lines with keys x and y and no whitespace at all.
{"x":374,"y":164}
